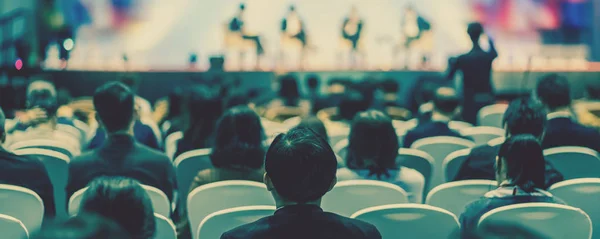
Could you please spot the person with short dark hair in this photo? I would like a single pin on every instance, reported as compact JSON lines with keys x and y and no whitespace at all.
{"x":563,"y":128}
{"x":520,"y":170}
{"x":476,"y":67}
{"x":300,"y":168}
{"x":122,"y":200}
{"x":372,"y":152}
{"x":121,"y":155}
{"x":445,"y":103}
{"x":83,"y":226}
{"x":523,"y":116}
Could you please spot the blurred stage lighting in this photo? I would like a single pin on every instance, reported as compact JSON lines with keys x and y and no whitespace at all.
{"x":68,"y":44}
{"x":19,"y":64}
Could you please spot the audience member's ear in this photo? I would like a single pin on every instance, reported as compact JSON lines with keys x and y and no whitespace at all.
{"x":333,"y":182}
{"x":267,"y":181}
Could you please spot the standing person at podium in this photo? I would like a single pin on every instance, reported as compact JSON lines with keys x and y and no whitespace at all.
{"x":476,"y":68}
{"x":237,"y":25}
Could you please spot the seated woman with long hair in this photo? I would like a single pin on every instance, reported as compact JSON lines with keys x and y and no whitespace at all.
{"x":372,"y":151}
{"x":520,"y":169}
{"x":124,"y":201}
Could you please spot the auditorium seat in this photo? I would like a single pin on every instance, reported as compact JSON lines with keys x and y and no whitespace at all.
{"x":453,"y":162}
{"x":482,"y":134}
{"x":417,"y":160}
{"x":340,"y":148}
{"x":491,"y":115}
{"x":165,"y":229}
{"x":411,"y":221}
{"x":583,"y":193}
{"x":218,"y":196}
{"x":187,"y":166}
{"x":348,"y":197}
{"x":67,"y":149}
{"x":458,"y":125}
{"x":574,"y":162}
{"x":11,"y":227}
{"x":222,"y":221}
{"x":337,"y":134}
{"x":171,"y":143}
{"x":550,"y":219}
{"x":455,"y":196}
{"x":22,"y":204}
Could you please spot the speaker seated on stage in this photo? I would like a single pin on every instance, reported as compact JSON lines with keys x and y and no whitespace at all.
{"x":292,"y":30}
{"x":235,"y":39}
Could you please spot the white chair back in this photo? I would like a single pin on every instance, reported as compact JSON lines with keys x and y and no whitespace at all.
{"x":455,"y":196}
{"x":54,"y":145}
{"x":187,"y":166}
{"x":417,"y":160}
{"x":453,"y":162}
{"x":57,"y":166}
{"x":497,"y":141}
{"x":458,"y":125}
{"x":171,"y":143}
{"x":412,"y":221}
{"x":341,"y":149}
{"x":217,"y":223}
{"x":574,"y":162}
{"x":552,"y":220}
{"x":482,"y":134}
{"x":23,"y":204}
{"x":160,"y":202}
{"x":165,"y":229}
{"x":348,"y":197}
{"x":292,"y":122}
{"x":439,"y":148}
{"x":491,"y":115}
{"x":214,"y":197}
{"x":583,"y":193}
{"x":338,"y":135}
{"x":12,"y":228}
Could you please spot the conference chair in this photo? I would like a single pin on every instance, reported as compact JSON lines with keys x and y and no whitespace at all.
{"x":496,"y":142}
{"x":458,"y":125}
{"x":57,"y":166}
{"x":160,"y":202}
{"x":439,"y":148}
{"x":574,"y":162}
{"x":215,"y":224}
{"x":417,"y":160}
{"x":58,"y":146}
{"x":341,"y":148}
{"x":217,"y":196}
{"x":11,"y":227}
{"x":482,"y":134}
{"x":552,"y":220}
{"x":187,"y":166}
{"x":410,"y":221}
{"x":165,"y":229}
{"x":171,"y":143}
{"x":455,"y":196}
{"x":491,"y":115}
{"x":292,"y":122}
{"x":453,"y":162}
{"x":348,"y":197}
{"x":583,"y":193}
{"x":338,"y":134}
{"x":23,"y":204}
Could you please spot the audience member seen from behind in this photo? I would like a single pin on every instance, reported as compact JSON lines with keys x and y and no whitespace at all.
{"x":372,"y":151}
{"x":300,"y":168}
{"x":351,"y":104}
{"x":289,"y":100}
{"x":523,"y":116}
{"x":83,"y":226}
{"x":520,"y":175}
{"x":445,"y":103}
{"x":204,"y":108}
{"x":121,"y":155}
{"x":563,"y":128}
{"x":123,"y":201}
{"x":25,"y":172}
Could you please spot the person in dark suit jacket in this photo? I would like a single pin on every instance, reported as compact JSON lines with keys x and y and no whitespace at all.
{"x":300,"y":168}
{"x":523,"y":116}
{"x":121,"y":154}
{"x":445,"y":103}
{"x":26,"y":172}
{"x":563,"y":127}
{"x":476,"y":67}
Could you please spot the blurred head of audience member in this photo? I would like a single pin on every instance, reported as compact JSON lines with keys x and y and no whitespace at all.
{"x":445,"y":103}
{"x":123,"y":201}
{"x":131,"y":81}
{"x":524,"y":116}
{"x":175,"y":99}
{"x":373,"y":144}
{"x":390,"y":88}
{"x":289,"y":91}
{"x":300,"y":168}
{"x":115,"y":108}
{"x":204,"y":109}
{"x":475,"y":30}
{"x":352,"y":102}
{"x":83,"y":226}
{"x":313,"y":83}
{"x":239,"y":140}
{"x":316,"y":125}
{"x":554,"y":92}
{"x":425,"y":97}
{"x":521,"y":164}
{"x":593,"y":91}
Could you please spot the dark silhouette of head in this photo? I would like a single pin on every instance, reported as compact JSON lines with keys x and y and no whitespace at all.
{"x":475,"y":30}
{"x":313,"y":82}
{"x":445,"y":101}
{"x":554,"y":92}
{"x":521,"y":162}
{"x":373,"y":143}
{"x":114,"y":104}
{"x":204,"y":109}
{"x":83,"y":226}
{"x":175,"y":103}
{"x":316,"y":125}
{"x":292,"y":8}
{"x":131,"y":81}
{"x":242,"y":7}
{"x":524,"y":116}
{"x":289,"y":91}
{"x":122,"y":200}
{"x":593,"y":91}
{"x":351,"y":103}
{"x":300,"y":166}
{"x":239,"y":140}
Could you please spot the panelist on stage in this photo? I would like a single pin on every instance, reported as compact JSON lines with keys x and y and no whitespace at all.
{"x":416,"y":33}
{"x":236,"y":25}
{"x":293,"y":27}
{"x":352,"y":28}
